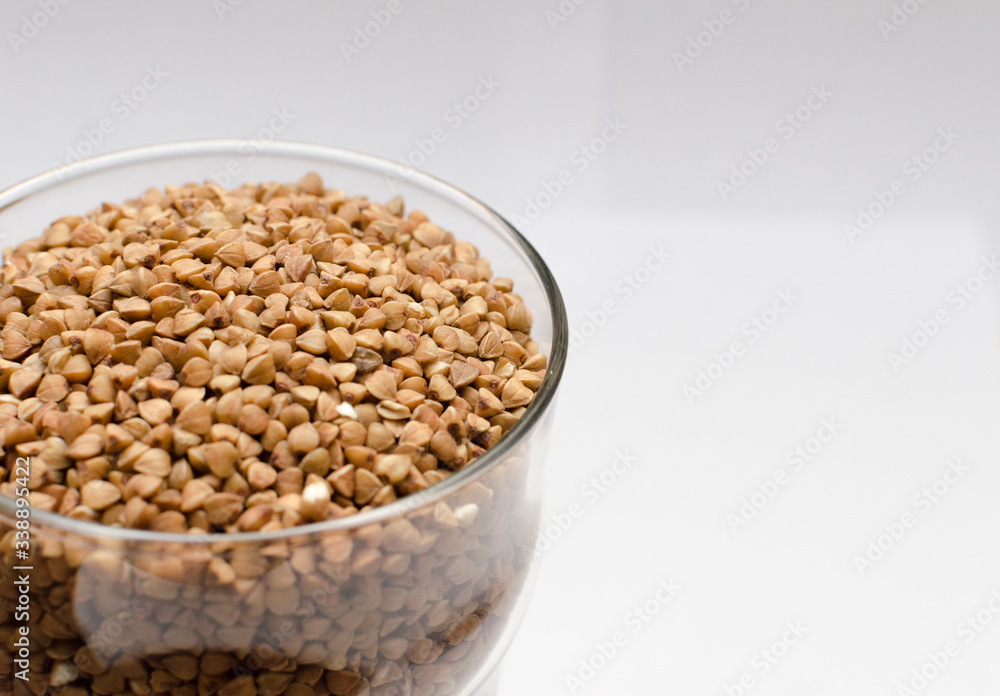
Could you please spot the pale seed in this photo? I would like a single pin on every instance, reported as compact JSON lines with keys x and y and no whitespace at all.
{"x":265,"y":284}
{"x":52,"y":388}
{"x":440,"y":389}
{"x":221,"y":458}
{"x":99,"y":495}
{"x":487,"y":404}
{"x":196,"y":372}
{"x":366,"y":485}
{"x":233,"y":359}
{"x":97,"y":343}
{"x":195,"y":492}
{"x":516,"y":394}
{"x":490,"y":347}
{"x":260,"y":370}
{"x":22,"y":383}
{"x":195,"y":418}
{"x":85,"y":446}
{"x":232,"y":254}
{"x":343,"y":346}
{"x":392,"y":410}
{"x":393,"y":467}
{"x":462,"y":374}
{"x":155,"y":411}
{"x":222,"y":508}
{"x":77,"y":369}
{"x":303,"y":438}
{"x":313,"y":341}
{"x":342,"y":481}
{"x":261,"y":476}
{"x":154,"y":461}
{"x":145,"y":486}
{"x":381,"y":385}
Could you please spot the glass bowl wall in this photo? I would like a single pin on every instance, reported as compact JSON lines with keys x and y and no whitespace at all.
{"x":418,"y":597}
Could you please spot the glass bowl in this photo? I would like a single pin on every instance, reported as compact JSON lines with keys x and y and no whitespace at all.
{"x":418,"y":597}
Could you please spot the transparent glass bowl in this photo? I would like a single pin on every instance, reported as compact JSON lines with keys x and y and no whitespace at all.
{"x":409,"y":598}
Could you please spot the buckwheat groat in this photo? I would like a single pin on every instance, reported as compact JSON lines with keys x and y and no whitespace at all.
{"x":201,"y":361}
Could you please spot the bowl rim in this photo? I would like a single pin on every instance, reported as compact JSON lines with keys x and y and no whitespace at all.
{"x":399,"y":508}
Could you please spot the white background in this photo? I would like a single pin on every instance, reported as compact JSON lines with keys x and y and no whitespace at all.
{"x":556,"y":83}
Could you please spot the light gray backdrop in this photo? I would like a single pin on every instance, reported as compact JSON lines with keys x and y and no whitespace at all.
{"x":822,"y":496}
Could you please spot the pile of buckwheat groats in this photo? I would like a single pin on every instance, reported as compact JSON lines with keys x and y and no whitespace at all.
{"x":202,"y":360}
